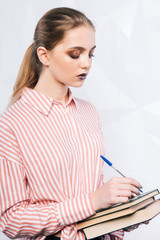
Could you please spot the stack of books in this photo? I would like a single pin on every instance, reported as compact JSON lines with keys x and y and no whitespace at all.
{"x":138,"y":210}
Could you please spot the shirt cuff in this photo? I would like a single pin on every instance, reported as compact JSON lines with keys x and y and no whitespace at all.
{"x":117,"y":235}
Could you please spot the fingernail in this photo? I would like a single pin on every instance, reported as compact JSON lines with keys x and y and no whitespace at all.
{"x":141,"y":187}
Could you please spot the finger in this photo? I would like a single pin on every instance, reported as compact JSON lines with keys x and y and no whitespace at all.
{"x":130,"y":181}
{"x":128,"y":187}
{"x":124,"y":193}
{"x":131,"y":228}
{"x":124,"y":184}
{"x":121,"y":199}
{"x":133,"y":182}
{"x":147,"y":222}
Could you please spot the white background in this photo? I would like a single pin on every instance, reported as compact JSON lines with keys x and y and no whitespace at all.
{"x":124,"y":83}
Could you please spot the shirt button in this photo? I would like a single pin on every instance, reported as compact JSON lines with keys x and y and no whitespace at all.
{"x":65,"y":110}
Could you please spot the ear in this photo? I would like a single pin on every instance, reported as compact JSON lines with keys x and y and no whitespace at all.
{"x":42,"y":54}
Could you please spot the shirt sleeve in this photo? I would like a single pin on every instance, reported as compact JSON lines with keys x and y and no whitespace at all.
{"x":20,"y":217}
{"x":117,"y":235}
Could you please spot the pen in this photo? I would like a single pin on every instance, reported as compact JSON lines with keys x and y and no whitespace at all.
{"x":111,"y":165}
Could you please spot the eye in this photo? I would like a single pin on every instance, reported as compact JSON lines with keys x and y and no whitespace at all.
{"x":91,"y":55}
{"x":74,"y":54}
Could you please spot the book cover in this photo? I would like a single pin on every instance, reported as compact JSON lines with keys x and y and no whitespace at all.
{"x":140,"y":216}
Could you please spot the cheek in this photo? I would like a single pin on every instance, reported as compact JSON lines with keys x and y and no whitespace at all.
{"x":69,"y":64}
{"x":64,"y":65}
{"x":70,"y":61}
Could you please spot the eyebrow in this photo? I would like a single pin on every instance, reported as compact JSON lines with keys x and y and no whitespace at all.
{"x":81,"y":48}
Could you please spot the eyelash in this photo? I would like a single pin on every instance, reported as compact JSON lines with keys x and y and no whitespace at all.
{"x":91,"y":55}
{"x":76,"y":57}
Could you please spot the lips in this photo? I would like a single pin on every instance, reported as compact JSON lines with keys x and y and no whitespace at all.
{"x":82,"y":76}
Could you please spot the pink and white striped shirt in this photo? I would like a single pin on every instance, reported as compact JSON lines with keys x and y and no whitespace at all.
{"x":49,"y":164}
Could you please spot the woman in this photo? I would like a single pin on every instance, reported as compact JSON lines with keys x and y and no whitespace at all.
{"x":50,"y":142}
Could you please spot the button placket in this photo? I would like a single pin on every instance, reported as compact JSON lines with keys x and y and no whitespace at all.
{"x":79,"y":164}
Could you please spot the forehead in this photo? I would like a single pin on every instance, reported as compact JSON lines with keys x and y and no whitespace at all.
{"x":83,"y":36}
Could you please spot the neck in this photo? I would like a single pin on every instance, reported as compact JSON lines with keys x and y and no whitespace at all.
{"x":49,"y":88}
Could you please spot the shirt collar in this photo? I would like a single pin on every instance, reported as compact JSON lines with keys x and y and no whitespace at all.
{"x":43,"y":103}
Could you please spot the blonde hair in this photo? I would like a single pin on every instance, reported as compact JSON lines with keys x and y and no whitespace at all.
{"x":49,"y":32}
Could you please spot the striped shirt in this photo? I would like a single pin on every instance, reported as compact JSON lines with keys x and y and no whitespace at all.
{"x":49,"y":165}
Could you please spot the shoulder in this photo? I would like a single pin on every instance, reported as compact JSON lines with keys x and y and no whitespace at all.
{"x":85,"y":105}
{"x":9,"y":117}
{"x":87,"y":110}
{"x":9,"y":147}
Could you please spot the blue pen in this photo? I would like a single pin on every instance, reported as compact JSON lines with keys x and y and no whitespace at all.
{"x":111,"y":165}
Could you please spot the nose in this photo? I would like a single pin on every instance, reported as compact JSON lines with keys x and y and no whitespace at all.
{"x":86,"y":63}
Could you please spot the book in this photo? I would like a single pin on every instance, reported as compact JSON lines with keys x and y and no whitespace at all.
{"x":119,"y":216}
{"x":120,"y":210}
{"x":142,"y":215}
{"x":115,"y":215}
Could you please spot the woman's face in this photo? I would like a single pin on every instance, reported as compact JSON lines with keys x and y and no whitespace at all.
{"x":70,"y":60}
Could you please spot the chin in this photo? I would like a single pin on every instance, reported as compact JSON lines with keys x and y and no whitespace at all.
{"x":78,"y":84}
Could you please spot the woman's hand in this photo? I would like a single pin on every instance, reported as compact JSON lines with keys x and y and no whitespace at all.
{"x":116,"y":190}
{"x":131,"y":228}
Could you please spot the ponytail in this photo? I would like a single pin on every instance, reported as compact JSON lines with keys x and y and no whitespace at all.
{"x":27,"y":76}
